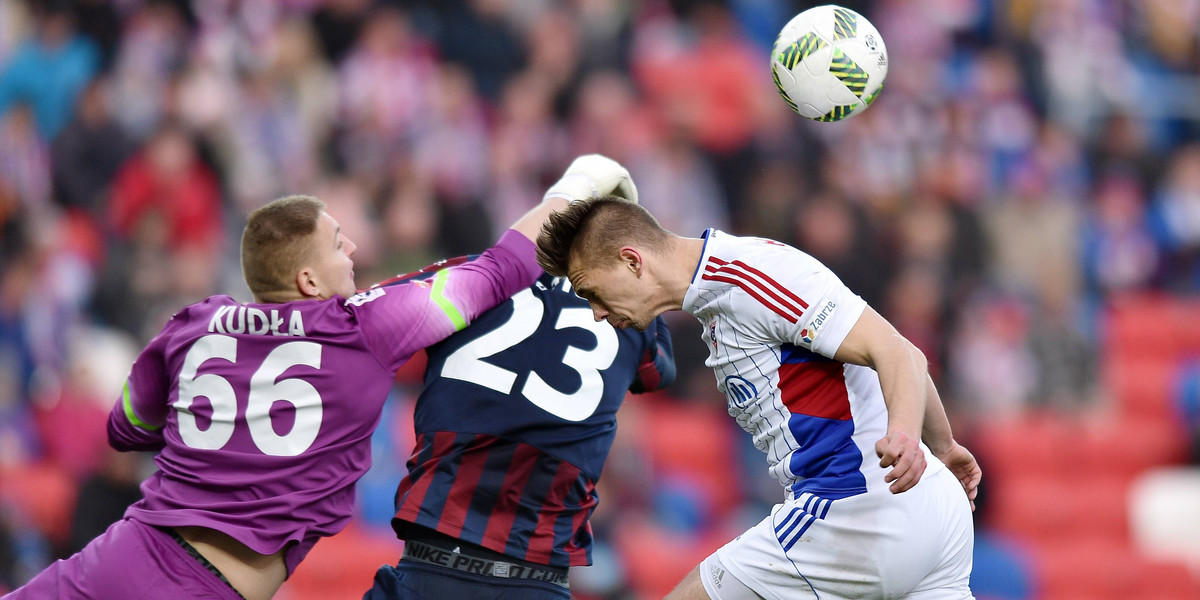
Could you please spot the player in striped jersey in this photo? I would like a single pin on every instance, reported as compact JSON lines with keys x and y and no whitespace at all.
{"x":837,"y":400}
{"x":262,"y":412}
{"x":513,"y":427}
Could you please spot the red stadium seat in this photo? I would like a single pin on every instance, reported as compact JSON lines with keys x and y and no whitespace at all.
{"x":342,"y":566}
{"x":1126,"y":446}
{"x":1185,"y":321}
{"x":44,"y":494}
{"x":1085,"y":567}
{"x":1145,"y":385}
{"x":697,"y":441}
{"x":1166,"y":580}
{"x":1141,"y":325}
{"x":1082,"y":567}
{"x":1071,"y":447}
{"x":656,"y":559}
{"x":1044,"y":510}
{"x":1030,"y":445}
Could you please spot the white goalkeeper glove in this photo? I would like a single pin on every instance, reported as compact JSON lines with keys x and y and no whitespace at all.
{"x":593,"y":175}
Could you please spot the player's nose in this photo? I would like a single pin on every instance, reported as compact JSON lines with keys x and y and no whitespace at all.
{"x":350,"y":246}
{"x":598,"y":313}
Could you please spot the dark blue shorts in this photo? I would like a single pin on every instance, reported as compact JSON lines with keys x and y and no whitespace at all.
{"x":415,"y":581}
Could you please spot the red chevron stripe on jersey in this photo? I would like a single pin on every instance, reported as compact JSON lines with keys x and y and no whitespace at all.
{"x":771,"y":282}
{"x":756,"y":283}
{"x":746,"y":288}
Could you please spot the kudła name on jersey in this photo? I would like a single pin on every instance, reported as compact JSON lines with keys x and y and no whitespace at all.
{"x":247,"y":319}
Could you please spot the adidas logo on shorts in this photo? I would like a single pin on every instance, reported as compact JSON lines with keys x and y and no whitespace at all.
{"x":717,"y":573}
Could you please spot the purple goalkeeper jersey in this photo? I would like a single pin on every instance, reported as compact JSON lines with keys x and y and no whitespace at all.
{"x":264,"y":412}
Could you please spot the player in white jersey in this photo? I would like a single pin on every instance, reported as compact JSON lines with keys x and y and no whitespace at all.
{"x":835,"y":397}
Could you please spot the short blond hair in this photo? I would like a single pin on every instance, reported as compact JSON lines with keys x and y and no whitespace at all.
{"x":276,"y":242}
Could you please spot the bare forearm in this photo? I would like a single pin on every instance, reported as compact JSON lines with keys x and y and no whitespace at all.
{"x":936,"y":431}
{"x":940,"y":440}
{"x":902,"y":374}
{"x":901,"y":366}
{"x":530,"y":225}
{"x":902,"y":371}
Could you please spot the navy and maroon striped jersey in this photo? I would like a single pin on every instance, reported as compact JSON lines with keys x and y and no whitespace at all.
{"x":516,"y":420}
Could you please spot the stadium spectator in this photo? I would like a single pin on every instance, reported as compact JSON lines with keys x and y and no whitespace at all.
{"x":55,"y":48}
{"x":88,"y":153}
{"x":24,"y":163}
{"x":104,"y":495}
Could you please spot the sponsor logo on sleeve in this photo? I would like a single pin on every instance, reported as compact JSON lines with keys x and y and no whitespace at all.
{"x":809,"y":334}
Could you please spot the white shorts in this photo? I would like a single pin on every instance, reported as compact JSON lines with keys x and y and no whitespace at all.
{"x":914,"y":545}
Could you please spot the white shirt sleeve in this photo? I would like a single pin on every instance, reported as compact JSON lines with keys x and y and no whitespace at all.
{"x":832,"y":308}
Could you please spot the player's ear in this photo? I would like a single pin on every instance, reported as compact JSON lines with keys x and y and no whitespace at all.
{"x":306,"y":283}
{"x":632,"y":259}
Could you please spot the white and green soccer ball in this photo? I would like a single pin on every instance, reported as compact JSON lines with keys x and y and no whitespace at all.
{"x":829,"y":63}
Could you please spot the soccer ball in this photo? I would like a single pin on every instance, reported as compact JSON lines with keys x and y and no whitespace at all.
{"x":829,"y":63}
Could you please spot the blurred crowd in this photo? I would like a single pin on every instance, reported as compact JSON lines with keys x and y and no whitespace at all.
{"x":1026,"y":161}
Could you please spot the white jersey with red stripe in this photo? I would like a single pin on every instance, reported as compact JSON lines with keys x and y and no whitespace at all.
{"x":773,"y":318}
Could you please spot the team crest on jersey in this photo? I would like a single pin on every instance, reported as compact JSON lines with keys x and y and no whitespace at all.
{"x":362,"y":298}
{"x":739,"y":391}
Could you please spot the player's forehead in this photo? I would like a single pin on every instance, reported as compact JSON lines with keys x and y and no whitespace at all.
{"x":590,"y":279}
{"x":327,"y":228}
{"x":585,"y":277}
{"x":579,"y":277}
{"x":578,"y":271}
